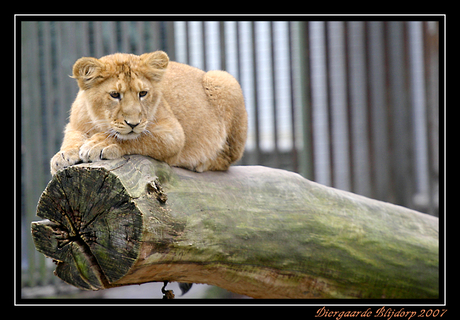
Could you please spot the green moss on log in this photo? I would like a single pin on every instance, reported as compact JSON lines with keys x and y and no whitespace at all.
{"x":257,"y":231}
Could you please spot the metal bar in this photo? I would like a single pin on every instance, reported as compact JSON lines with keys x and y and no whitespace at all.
{"x":401,"y":168}
{"x":306,"y":165}
{"x":141,"y":40}
{"x":187,"y":39}
{"x":295,"y":157}
{"x":153,"y":36}
{"x":222,"y":46}
{"x":276,"y":155}
{"x":431,"y":49}
{"x":98,"y":39}
{"x":338,"y":100}
{"x":203,"y":45}
{"x":255,"y":86}
{"x":170,"y":44}
{"x":319,"y":103}
{"x":418,"y":112}
{"x":110,"y":33}
{"x":379,"y":110}
{"x":359,"y":118}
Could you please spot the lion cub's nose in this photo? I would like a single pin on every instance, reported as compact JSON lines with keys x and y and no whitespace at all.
{"x":132,"y":125}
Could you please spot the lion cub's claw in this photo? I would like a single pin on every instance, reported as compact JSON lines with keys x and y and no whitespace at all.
{"x":64,"y":159}
{"x":91,"y":152}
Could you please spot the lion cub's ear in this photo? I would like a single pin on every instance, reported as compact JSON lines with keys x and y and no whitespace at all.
{"x":156,"y":63}
{"x":87,"y":71}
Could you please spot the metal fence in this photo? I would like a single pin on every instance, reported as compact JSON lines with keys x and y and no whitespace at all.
{"x":353,"y":105}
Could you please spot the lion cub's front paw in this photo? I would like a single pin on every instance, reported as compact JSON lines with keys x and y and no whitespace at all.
{"x":64,"y":159}
{"x":92,"y":151}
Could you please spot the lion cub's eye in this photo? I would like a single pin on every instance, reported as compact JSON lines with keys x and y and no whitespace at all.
{"x":142,"y":94}
{"x":115,"y":95}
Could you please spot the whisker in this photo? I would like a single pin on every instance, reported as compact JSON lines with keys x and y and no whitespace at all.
{"x":146,"y":132}
{"x":111,"y":133}
{"x":100,"y":124}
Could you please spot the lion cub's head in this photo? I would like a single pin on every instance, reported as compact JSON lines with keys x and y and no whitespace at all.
{"x":121,"y":91}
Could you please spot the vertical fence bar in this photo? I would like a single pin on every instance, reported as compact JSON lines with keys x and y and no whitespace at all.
{"x":264,"y":90}
{"x":141,"y":45}
{"x":338,"y":100}
{"x":109,"y":35}
{"x":169,"y":41}
{"x":245,"y":66}
{"x":48,"y":89}
{"x":222,"y":46}
{"x":153,"y":36}
{"x":203,"y":45}
{"x":64,"y":86}
{"x":418,"y":114}
{"x":401,"y":126}
{"x":245,"y":158}
{"x":359,"y":114}
{"x":229,"y":37}
{"x":295,"y":157}
{"x":255,"y":92}
{"x":431,"y":49}
{"x":276,"y":155}
{"x":379,"y":111}
{"x":197,"y":49}
{"x":306,"y":166}
{"x":320,"y":114}
{"x":98,"y":39}
{"x":82,"y":38}
{"x":187,"y":39}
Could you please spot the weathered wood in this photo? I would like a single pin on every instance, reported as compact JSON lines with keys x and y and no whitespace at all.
{"x":257,"y":231}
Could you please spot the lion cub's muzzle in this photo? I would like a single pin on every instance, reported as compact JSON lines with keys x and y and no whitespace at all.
{"x":132,"y":125}
{"x":127,"y":129}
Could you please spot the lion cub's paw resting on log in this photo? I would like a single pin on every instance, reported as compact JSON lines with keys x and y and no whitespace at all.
{"x":147,"y":105}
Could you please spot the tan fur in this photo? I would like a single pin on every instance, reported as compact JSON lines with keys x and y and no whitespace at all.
{"x":147,"y":105}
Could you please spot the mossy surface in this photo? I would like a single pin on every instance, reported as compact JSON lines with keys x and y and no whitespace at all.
{"x":253,"y":225}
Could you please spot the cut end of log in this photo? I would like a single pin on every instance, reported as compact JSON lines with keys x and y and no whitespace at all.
{"x":95,"y":227}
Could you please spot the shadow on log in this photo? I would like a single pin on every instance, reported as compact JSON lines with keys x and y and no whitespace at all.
{"x":256,"y":231}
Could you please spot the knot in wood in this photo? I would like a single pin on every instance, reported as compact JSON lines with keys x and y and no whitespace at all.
{"x":154,"y":188}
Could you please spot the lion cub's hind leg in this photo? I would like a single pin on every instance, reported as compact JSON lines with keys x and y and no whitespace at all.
{"x":225,"y":93}
{"x":221,"y":163}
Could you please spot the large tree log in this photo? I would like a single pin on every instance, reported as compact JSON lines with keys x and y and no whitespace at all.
{"x":257,"y":231}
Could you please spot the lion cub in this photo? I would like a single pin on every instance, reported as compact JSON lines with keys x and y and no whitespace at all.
{"x":147,"y":105}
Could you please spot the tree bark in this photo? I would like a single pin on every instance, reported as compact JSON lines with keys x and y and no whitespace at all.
{"x":257,"y":231}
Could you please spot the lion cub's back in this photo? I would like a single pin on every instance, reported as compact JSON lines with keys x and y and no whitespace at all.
{"x":204,"y":129}
{"x":183,"y":86}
